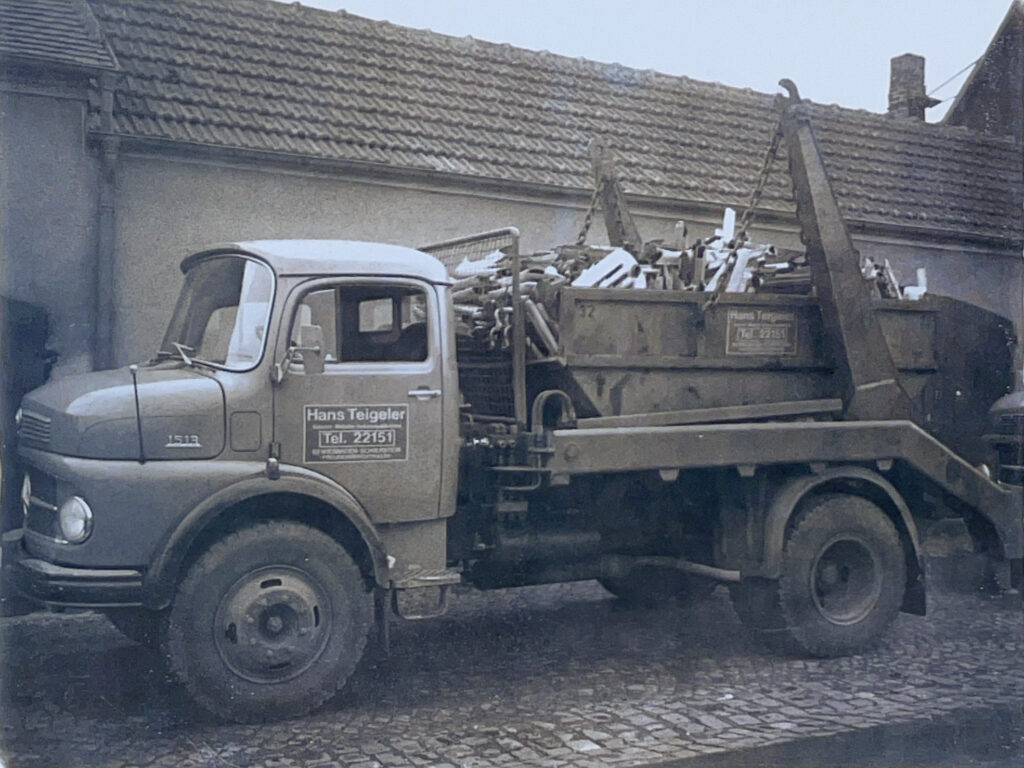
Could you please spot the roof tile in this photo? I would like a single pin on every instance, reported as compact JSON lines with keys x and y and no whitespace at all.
{"x":255,"y":74}
{"x":58,"y":31}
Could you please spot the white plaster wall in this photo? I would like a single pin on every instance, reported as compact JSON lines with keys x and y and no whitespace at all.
{"x":168,"y":207}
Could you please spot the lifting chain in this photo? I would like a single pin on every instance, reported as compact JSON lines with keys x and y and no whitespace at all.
{"x":755,"y":197}
{"x":762,"y":179}
{"x":748,"y":215}
{"x":581,"y":239}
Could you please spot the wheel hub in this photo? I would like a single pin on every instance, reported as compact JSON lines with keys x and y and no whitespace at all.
{"x":846,"y":581}
{"x":272,"y":624}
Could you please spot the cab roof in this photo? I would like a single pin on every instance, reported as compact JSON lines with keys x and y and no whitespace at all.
{"x":335,"y":257}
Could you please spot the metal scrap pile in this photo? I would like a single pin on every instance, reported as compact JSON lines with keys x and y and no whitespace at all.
{"x":483,"y":287}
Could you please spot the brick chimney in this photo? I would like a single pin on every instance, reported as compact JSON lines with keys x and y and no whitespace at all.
{"x":907,"y":97}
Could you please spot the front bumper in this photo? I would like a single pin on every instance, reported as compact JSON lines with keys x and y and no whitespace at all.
{"x":58,"y":585}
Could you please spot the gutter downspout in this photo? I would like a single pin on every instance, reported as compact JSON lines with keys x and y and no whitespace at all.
{"x":109,"y":145}
{"x":1018,"y":319}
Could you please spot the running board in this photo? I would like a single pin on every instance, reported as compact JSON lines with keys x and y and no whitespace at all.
{"x":419,"y":579}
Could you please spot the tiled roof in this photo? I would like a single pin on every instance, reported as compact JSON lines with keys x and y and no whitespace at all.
{"x":59,"y":31}
{"x":260,"y":75}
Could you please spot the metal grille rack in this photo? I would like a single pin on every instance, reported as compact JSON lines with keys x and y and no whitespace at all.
{"x":492,"y":381}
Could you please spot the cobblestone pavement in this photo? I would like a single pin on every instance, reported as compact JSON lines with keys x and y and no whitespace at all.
{"x":544,"y":676}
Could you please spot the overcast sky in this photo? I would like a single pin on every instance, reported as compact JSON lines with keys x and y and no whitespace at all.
{"x":836,"y":51}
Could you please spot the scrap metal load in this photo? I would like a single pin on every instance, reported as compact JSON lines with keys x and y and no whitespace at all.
{"x":483,"y":288}
{"x":722,"y":263}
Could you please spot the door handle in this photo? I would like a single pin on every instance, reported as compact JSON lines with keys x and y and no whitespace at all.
{"x":424,"y":393}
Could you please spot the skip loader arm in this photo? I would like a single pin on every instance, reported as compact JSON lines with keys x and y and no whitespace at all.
{"x":871,"y":389}
{"x":622,"y":230}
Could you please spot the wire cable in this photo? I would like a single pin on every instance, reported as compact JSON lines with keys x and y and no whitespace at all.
{"x":954,"y":77}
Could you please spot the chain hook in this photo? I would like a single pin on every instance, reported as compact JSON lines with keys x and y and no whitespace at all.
{"x":766,"y":169}
{"x":589,"y":218}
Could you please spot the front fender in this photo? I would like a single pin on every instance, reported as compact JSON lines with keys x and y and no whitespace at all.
{"x":163,"y":573}
{"x":788,"y":497}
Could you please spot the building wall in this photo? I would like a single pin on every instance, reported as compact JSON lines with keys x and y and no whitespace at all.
{"x":992,"y":100}
{"x":48,"y":208}
{"x":168,"y":207}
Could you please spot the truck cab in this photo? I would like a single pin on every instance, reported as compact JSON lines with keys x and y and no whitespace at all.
{"x":328,"y":360}
{"x":311,"y":381}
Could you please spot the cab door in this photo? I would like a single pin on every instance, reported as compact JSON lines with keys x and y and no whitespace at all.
{"x":371,"y":420}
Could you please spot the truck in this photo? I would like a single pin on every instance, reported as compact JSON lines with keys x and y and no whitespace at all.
{"x":315,"y":446}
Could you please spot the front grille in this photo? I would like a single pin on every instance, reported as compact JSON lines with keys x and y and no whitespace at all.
{"x":41,"y":515}
{"x":1009,"y":444}
{"x":34,"y":430}
{"x":1012,"y":424}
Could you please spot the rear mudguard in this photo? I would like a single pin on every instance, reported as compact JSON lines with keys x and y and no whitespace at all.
{"x":786,"y":501}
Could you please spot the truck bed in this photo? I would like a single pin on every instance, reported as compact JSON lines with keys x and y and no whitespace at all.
{"x":624,"y":352}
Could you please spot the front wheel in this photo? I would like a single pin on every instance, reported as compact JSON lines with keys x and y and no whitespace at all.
{"x":268,"y":623}
{"x":841,"y":584}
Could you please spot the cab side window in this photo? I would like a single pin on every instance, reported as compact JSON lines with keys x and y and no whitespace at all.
{"x":368,"y":323}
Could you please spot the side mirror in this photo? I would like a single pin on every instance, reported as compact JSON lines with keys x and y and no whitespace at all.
{"x":309,"y":351}
{"x":311,"y":345}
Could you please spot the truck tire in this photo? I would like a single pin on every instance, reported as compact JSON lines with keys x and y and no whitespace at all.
{"x":756,"y":602}
{"x":841,"y":583}
{"x":137,"y":624}
{"x":650,"y":587}
{"x":268,"y":623}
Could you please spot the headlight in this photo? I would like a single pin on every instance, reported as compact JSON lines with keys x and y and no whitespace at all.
{"x":75,"y":520}
{"x":26,"y":494}
{"x":18,"y":414}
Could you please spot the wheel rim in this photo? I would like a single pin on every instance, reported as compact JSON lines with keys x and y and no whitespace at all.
{"x":272,"y":624}
{"x":846,"y":581}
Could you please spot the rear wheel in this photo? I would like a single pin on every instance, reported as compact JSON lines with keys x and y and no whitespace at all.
{"x":841,"y":583}
{"x":268,"y":623}
{"x":756,"y":602}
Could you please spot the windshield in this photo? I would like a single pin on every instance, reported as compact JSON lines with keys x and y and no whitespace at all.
{"x":222,"y":313}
